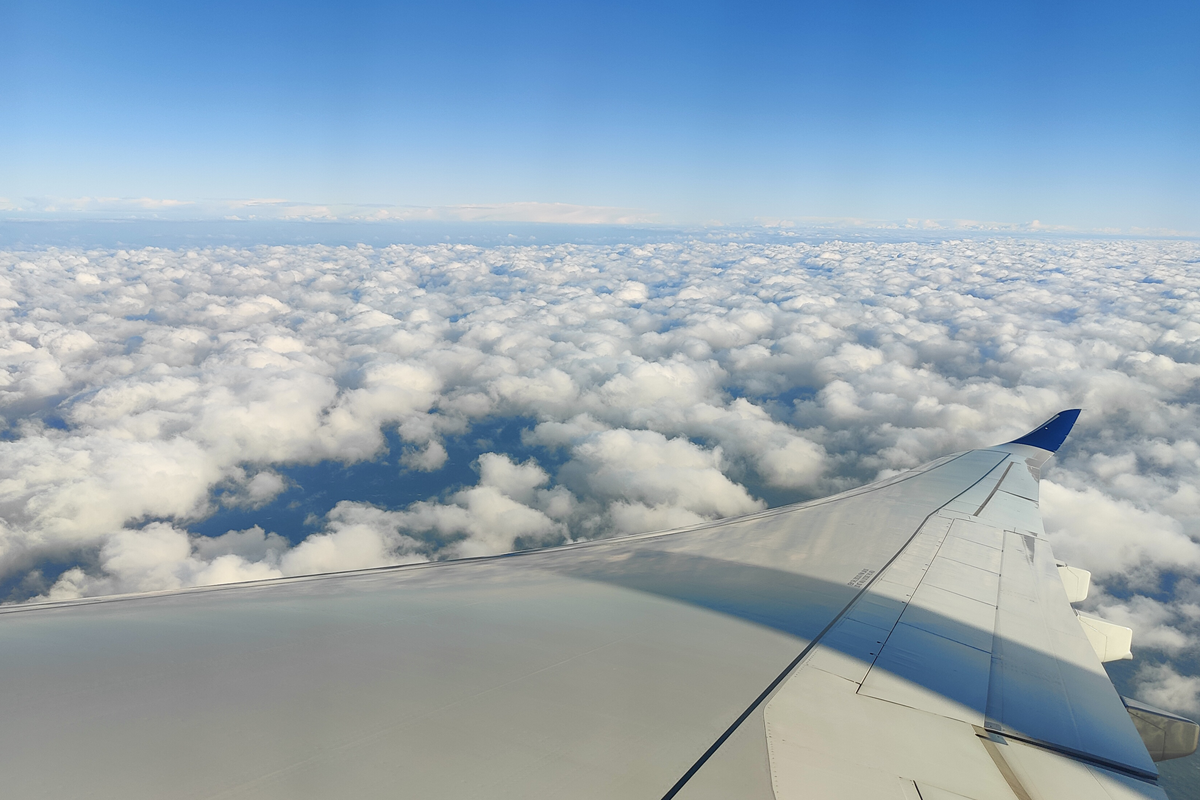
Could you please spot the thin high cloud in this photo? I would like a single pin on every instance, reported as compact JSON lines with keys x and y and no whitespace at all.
{"x":671,"y":383}
{"x":260,"y":209}
{"x":274,"y":209}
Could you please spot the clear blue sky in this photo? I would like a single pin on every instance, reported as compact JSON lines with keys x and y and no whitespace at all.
{"x":1084,"y":114}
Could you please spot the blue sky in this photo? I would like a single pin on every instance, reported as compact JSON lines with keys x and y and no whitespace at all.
{"x":1077,"y":114}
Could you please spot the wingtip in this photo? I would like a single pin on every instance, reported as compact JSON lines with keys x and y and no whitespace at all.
{"x":1052,"y":433}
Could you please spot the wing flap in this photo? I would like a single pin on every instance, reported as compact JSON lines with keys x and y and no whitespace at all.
{"x":1047,"y":683}
{"x":858,"y":746}
{"x":986,"y":653}
{"x":933,"y":673}
{"x":1045,"y":775}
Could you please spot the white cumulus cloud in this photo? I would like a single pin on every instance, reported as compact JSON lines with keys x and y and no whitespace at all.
{"x":142,"y":390}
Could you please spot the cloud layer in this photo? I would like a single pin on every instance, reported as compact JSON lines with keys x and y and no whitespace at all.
{"x":665,"y":384}
{"x":274,"y":209}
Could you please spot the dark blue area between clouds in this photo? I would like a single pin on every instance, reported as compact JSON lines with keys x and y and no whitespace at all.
{"x":314,"y":489}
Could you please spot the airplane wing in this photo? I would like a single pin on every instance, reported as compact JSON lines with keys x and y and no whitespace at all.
{"x":912,"y":638}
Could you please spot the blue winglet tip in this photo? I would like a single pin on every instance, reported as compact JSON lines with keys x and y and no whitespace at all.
{"x":1052,"y":433}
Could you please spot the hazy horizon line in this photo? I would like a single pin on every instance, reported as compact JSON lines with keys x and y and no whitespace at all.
{"x":148,"y":209}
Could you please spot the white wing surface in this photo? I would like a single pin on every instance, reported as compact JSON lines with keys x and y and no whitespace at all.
{"x":910,"y":639}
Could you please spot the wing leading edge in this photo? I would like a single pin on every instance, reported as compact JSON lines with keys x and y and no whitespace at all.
{"x":905,"y":639}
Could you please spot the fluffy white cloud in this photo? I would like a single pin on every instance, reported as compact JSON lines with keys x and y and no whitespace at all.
{"x":506,"y":509}
{"x":674,"y":382}
{"x":357,"y":536}
{"x":644,"y":468}
{"x":1114,"y":537}
{"x":1160,"y":685}
{"x":161,"y":557}
{"x":1149,"y":618}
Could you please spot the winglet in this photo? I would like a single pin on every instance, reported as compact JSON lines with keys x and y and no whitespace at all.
{"x":1052,"y":433}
